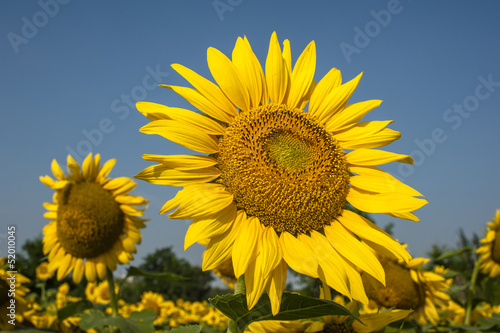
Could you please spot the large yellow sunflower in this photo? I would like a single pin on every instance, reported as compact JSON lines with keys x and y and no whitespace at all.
{"x":94,"y":223}
{"x":408,"y":286}
{"x":275,"y":185}
{"x":490,"y":249}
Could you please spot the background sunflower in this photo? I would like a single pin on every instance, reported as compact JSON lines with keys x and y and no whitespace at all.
{"x":94,"y":221}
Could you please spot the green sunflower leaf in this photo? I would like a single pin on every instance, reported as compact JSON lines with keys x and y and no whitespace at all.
{"x":138,"y":322}
{"x":72,"y":309}
{"x":187,"y":329}
{"x":134,"y":271}
{"x":453,"y":253}
{"x":293,"y":307}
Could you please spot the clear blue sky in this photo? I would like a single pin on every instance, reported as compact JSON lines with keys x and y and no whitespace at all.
{"x":70,"y":68}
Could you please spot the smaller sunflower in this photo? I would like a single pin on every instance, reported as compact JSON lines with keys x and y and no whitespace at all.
{"x":154,"y":301}
{"x":409,"y":287}
{"x":95,"y":224}
{"x":42,"y":272}
{"x":490,"y":249}
{"x":99,"y":293}
{"x":7,"y":283}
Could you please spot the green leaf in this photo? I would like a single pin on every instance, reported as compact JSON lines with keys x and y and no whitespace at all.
{"x":453,"y":253}
{"x":72,"y":309}
{"x":138,"y":322}
{"x":187,"y":329}
{"x":293,"y":307}
{"x":134,"y":271}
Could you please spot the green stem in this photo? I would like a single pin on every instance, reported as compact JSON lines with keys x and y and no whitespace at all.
{"x":240,"y":289}
{"x":42,"y":296}
{"x":112,"y":293}
{"x":472,"y":291}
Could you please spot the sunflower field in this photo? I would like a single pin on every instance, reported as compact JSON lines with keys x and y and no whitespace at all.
{"x":285,"y":181}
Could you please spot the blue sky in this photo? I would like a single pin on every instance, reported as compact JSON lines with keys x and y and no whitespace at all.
{"x":71,"y":72}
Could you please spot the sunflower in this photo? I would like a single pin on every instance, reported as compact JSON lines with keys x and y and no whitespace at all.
{"x":42,"y":272}
{"x":12,"y":296}
{"x":154,"y":301}
{"x":98,"y":293}
{"x":490,"y":249}
{"x":94,"y":223}
{"x":275,"y":186}
{"x":409,"y":286}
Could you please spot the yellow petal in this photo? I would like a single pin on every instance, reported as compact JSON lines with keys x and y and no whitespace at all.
{"x":78,"y":271}
{"x":130,"y":200}
{"x":220,"y":247}
{"x":117,"y":183}
{"x":351,"y":114}
{"x":250,"y":71}
{"x":100,"y":268}
{"x":331,"y":80}
{"x":287,"y":55}
{"x":183,"y":134}
{"x":106,"y":169}
{"x":375,"y":157}
{"x":57,"y":171}
{"x":74,"y":171}
{"x":337,"y":99}
{"x":226,"y":76}
{"x":383,"y":202}
{"x":182,"y":162}
{"x":207,"y":89}
{"x":164,"y":175}
{"x":276,"y":285}
{"x":302,"y":76}
{"x":368,"y":231}
{"x":202,"y":203}
{"x":254,"y":283}
{"x":354,"y":250}
{"x":270,"y":252}
{"x":87,"y":166}
{"x":298,"y":255}
{"x":201,"y":102}
{"x":208,"y":227}
{"x":376,"y":321}
{"x":376,"y":180}
{"x":161,"y":112}
{"x":329,"y":260}
{"x":245,"y":246}
{"x":277,"y":77}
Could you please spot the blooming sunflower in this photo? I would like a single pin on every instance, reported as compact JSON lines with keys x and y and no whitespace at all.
{"x":275,"y":185}
{"x":12,"y":296}
{"x":94,"y":223}
{"x":154,"y":301}
{"x":42,"y":272}
{"x":490,"y":249}
{"x":408,"y":286}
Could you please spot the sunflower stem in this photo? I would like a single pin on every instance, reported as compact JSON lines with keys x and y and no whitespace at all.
{"x":472,"y":291}
{"x":240,"y":289}
{"x":112,"y":293}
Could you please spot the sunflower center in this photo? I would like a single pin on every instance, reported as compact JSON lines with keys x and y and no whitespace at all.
{"x":400,"y":290}
{"x":284,"y":168}
{"x":495,"y":247}
{"x":89,"y":220}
